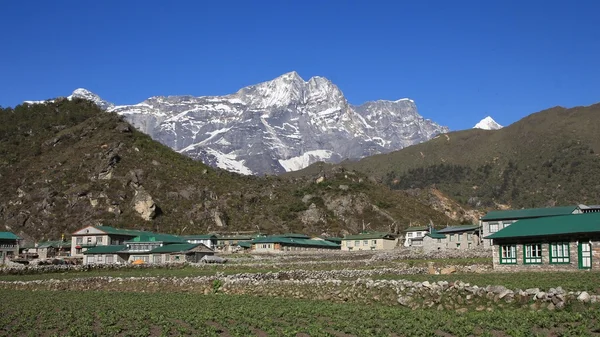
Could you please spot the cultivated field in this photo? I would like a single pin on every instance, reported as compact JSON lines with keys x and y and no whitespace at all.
{"x":302,"y":295}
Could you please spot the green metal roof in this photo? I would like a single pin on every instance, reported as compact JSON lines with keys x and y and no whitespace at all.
{"x":455,"y":229}
{"x":105,"y":249}
{"x":8,"y":236}
{"x":332,"y":239}
{"x":199,"y":237}
{"x":416,"y":228}
{"x":547,"y":226}
{"x":121,"y":231}
{"x":236,"y":237}
{"x":55,"y":244}
{"x":293,"y":241}
{"x":434,"y":234}
{"x":515,"y":214}
{"x":245,"y":244}
{"x":153,"y":237}
{"x":175,"y":248}
{"x":367,"y":236}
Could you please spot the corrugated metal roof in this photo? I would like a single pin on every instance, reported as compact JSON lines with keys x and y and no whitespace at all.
{"x":199,"y":237}
{"x":416,"y":229}
{"x":548,"y":226}
{"x":105,"y":249}
{"x":455,"y":229}
{"x":121,"y":231}
{"x":515,"y":214}
{"x":178,"y":248}
{"x":8,"y":236}
{"x":367,"y":236}
{"x":54,"y":244}
{"x":153,"y":237}
{"x":434,"y":234}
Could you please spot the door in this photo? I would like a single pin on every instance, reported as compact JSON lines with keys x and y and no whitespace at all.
{"x":585,"y":255}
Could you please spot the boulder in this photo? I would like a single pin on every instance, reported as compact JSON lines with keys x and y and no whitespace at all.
{"x":584,"y":297}
{"x":448,"y":270}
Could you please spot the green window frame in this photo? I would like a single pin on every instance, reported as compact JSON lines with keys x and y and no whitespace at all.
{"x":451,"y":237}
{"x":532,"y":253}
{"x":494,"y":227}
{"x":559,"y":252}
{"x":508,"y":254}
{"x":469,"y":236}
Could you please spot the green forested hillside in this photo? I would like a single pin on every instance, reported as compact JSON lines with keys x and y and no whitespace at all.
{"x":550,"y":157}
{"x":67,"y":164}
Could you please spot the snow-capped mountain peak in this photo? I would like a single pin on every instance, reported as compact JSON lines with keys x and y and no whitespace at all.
{"x":86,"y":94}
{"x":276,"y":126}
{"x":488,"y":123}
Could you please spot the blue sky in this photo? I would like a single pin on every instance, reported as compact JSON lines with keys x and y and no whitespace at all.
{"x":459,"y":60}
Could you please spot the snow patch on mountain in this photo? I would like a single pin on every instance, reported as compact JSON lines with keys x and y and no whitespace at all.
{"x":304,"y":160}
{"x":488,"y":123}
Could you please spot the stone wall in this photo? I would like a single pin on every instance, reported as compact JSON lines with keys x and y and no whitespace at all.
{"x":431,"y":244}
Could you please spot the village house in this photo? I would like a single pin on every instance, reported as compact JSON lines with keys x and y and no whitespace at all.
{"x":93,"y":236}
{"x":229,"y":242}
{"x":452,"y":237}
{"x":369,"y":241}
{"x":9,"y":246}
{"x":52,"y":249}
{"x":567,"y":242}
{"x":495,"y":221}
{"x":280,"y":243}
{"x":413,"y":236}
{"x":148,"y":248}
{"x":209,"y":240}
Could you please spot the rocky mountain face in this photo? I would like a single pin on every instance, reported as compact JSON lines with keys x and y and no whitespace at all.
{"x":277,"y":126}
{"x":488,"y":123}
{"x":66,"y":164}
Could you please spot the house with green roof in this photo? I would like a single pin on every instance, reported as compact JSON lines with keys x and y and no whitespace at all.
{"x":230,"y":242}
{"x":93,"y":236}
{"x":369,"y":241}
{"x":52,"y":249}
{"x":494,"y":221}
{"x":564,"y":242}
{"x":452,"y":237}
{"x":413,"y":236}
{"x":9,"y":246}
{"x":276,"y":243}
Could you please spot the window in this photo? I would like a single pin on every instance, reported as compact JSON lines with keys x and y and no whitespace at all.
{"x":458,"y":246}
{"x":532,"y":253}
{"x":493,"y":227}
{"x":374,"y":242}
{"x":89,"y":240}
{"x":469,"y":245}
{"x":157,"y":259}
{"x":99,"y":258}
{"x":409,"y":235}
{"x":109,"y":258}
{"x":469,"y":236}
{"x":349,"y":243}
{"x":357,"y":243}
{"x":77,"y":250}
{"x":78,"y":241}
{"x":90,"y":259}
{"x":451,"y":237}
{"x":559,"y":252}
{"x":508,"y":254}
{"x":458,"y":236}
{"x":365,"y":242}
{"x":99,"y":240}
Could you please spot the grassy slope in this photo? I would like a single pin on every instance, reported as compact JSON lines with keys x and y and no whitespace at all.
{"x":51,"y":156}
{"x":547,"y":158}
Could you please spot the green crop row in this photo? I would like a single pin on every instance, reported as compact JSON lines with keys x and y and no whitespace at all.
{"x":64,"y":313}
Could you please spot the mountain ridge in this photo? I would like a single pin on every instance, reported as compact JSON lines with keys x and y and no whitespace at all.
{"x":547,"y":158}
{"x":65,"y":164}
{"x":264,"y":128}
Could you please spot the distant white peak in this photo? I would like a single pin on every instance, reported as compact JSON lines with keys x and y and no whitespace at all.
{"x":292,"y":75}
{"x":404,"y":100}
{"x":488,"y":123}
